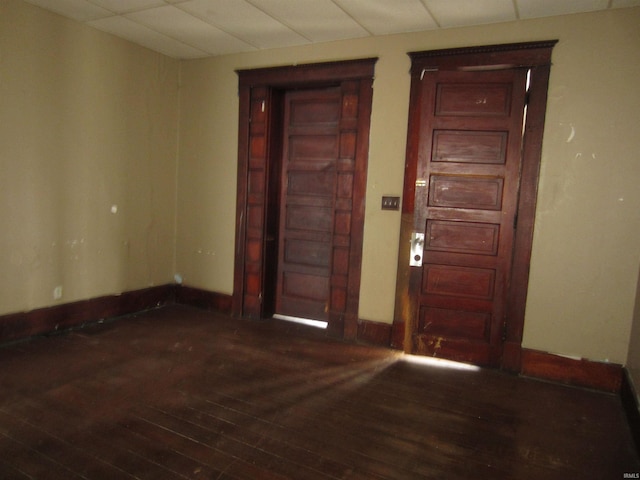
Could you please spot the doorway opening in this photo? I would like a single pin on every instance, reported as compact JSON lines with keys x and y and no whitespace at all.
{"x":302,"y":162}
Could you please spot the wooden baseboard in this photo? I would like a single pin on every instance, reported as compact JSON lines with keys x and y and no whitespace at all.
{"x":582,"y":373}
{"x":374,"y":333}
{"x":204,"y":299}
{"x":629,"y":398}
{"x":17,"y":326}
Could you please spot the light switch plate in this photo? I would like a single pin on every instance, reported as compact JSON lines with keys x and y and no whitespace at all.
{"x":390,"y":203}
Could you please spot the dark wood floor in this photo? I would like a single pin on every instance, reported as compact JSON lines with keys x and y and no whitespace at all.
{"x":182,"y":393}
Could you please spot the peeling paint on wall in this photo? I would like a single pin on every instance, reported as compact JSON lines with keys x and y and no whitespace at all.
{"x":572,"y":134}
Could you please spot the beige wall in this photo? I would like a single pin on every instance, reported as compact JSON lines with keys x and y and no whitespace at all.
{"x":586,"y":249}
{"x":90,"y":122}
{"x":87,"y":122}
{"x":585,"y":255}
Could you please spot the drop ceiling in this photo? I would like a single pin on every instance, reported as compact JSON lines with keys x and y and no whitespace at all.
{"x":203,"y":28}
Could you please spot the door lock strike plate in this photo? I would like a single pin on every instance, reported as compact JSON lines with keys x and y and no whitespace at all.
{"x":417,"y":249}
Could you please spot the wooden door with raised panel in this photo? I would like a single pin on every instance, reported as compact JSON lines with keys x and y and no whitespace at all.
{"x":307,"y":202}
{"x":468,"y":169}
{"x":476,"y":122}
{"x":260,"y":147}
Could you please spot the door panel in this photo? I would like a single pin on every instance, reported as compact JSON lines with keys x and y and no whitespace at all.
{"x":469,"y":146}
{"x":466,"y":191}
{"x":462,"y":237}
{"x":473,"y":99}
{"x":466,"y":199}
{"x":308,"y":202}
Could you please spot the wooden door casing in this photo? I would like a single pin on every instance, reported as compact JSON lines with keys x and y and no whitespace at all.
{"x":262,"y":94}
{"x":464,"y":191}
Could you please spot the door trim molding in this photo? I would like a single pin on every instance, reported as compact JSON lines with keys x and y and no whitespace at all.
{"x":535,"y":56}
{"x":260,"y":90}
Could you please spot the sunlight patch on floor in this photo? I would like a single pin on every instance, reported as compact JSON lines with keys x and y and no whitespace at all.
{"x":438,"y":363}
{"x":303,"y":321}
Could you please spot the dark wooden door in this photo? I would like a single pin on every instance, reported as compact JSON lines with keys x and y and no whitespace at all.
{"x":307,"y":202}
{"x":470,"y":127}
{"x":260,"y":206}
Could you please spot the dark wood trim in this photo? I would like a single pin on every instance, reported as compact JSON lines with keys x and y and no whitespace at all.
{"x":17,"y":326}
{"x":374,"y":333}
{"x":523,"y":240}
{"x":361,"y":160}
{"x":397,"y":335}
{"x":241,"y":197}
{"x":405,"y":311}
{"x":204,"y":299}
{"x":307,"y":75}
{"x":511,"y":349}
{"x":581,"y":373}
{"x":510,"y":55}
{"x":629,"y":398}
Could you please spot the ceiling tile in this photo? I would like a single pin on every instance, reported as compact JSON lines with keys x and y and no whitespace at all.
{"x":178,"y":24}
{"x":546,"y":8}
{"x":316,"y":20}
{"x":80,"y":10}
{"x":381,"y":17}
{"x":134,"y":32}
{"x":244,"y":21}
{"x":450,"y":13}
{"x":197,"y":28}
{"x":124,"y":6}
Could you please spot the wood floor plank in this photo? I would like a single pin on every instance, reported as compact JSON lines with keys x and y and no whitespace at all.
{"x":33,"y":455}
{"x":228,"y":465}
{"x":129,"y":454}
{"x":336,"y":451}
{"x":347,"y":437}
{"x":372,"y":429}
{"x":182,"y":393}
{"x":303,"y":404}
{"x":267,"y":437}
{"x":9,"y":472}
{"x":237,"y":448}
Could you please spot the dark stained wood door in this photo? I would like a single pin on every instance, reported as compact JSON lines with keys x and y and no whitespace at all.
{"x":259,"y":204}
{"x":307,"y":203}
{"x":466,"y":197}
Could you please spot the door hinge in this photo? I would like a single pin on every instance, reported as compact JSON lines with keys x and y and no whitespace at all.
{"x":504,"y":332}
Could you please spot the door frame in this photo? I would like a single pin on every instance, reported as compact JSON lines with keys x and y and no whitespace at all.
{"x":535,"y":56}
{"x":261,"y":97}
